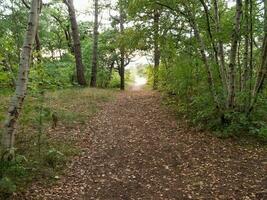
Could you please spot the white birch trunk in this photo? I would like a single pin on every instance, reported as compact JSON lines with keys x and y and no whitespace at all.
{"x":14,"y":110}
{"x":233,"y":54}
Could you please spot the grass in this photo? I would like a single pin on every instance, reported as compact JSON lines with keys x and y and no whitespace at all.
{"x":39,"y":155}
{"x":205,"y":122}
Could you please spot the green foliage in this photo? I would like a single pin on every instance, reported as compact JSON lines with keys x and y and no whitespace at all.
{"x":12,"y":172}
{"x":7,"y":187}
{"x":263,"y":133}
{"x":183,"y":80}
{"x":54,"y":158}
{"x":115,"y":80}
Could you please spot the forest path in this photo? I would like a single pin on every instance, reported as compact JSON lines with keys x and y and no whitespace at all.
{"x":135,"y":149}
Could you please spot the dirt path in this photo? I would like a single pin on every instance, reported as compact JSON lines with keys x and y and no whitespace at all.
{"x":134,"y":149}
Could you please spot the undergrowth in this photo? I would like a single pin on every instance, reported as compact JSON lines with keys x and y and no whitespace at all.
{"x":41,"y":156}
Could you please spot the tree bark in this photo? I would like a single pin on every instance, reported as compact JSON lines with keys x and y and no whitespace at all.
{"x":37,"y":37}
{"x":263,"y":67}
{"x":14,"y":110}
{"x":156,"y":48}
{"x":223,"y":70}
{"x":244,"y":77}
{"x":76,"y":43}
{"x":38,"y":47}
{"x":251,"y":35}
{"x":233,"y":53}
{"x":211,"y":81}
{"x":95,"y":47}
{"x":122,"y":48}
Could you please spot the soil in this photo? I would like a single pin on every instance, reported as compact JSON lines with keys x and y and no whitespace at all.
{"x":134,"y":148}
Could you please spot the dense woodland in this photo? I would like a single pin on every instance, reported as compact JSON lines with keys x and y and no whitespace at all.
{"x":208,"y":59}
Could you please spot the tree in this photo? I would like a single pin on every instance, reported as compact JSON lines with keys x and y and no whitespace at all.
{"x":156,"y":46}
{"x":95,"y":45}
{"x":14,"y":110}
{"x":148,"y":14}
{"x":122,"y":19}
{"x":230,"y":72}
{"x":76,"y":43}
{"x":259,"y":85}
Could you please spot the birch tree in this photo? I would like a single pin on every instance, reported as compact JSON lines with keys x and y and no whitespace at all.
{"x":233,"y":54}
{"x":8,"y":138}
{"x":229,"y":71}
{"x":263,"y":66}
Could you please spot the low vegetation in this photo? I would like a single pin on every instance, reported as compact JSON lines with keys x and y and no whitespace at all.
{"x":41,"y":149}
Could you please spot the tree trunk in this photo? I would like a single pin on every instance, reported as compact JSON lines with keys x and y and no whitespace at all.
{"x":14,"y":110}
{"x":156,"y":48}
{"x":111,"y":67}
{"x":220,"y":46}
{"x":250,"y":73}
{"x":122,"y":49}
{"x":233,"y":53}
{"x":95,"y":47}
{"x":38,"y":47}
{"x":37,"y":38}
{"x":211,"y":81}
{"x":76,"y":43}
{"x":263,"y":67}
{"x":244,"y":77}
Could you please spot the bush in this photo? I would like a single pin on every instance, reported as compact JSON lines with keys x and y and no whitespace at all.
{"x":7,"y":187}
{"x":115,"y":80}
{"x":10,"y":173}
{"x":54,"y":158}
{"x":184,"y":81}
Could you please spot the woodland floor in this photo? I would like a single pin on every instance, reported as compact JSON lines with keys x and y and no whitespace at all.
{"x":135,"y":149}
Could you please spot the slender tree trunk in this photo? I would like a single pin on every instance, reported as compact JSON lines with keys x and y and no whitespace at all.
{"x":233,"y":53}
{"x":244,"y":77}
{"x":223,"y":70}
{"x":239,"y":66}
{"x":111,"y":70}
{"x":122,"y":48}
{"x":209,"y":31}
{"x":156,"y":48}
{"x":68,"y":38}
{"x":76,"y":43}
{"x":263,"y":67}
{"x":95,"y":47}
{"x":37,"y":38}
{"x":38,"y":47}
{"x":202,"y":47}
{"x":251,"y":55}
{"x":14,"y":110}
{"x":66,"y":29}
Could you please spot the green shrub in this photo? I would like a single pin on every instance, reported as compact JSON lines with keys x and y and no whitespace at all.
{"x":263,"y":133}
{"x":7,"y":187}
{"x":115,"y":80}
{"x":183,"y":79}
{"x":53,"y":158}
{"x":11,"y":172}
